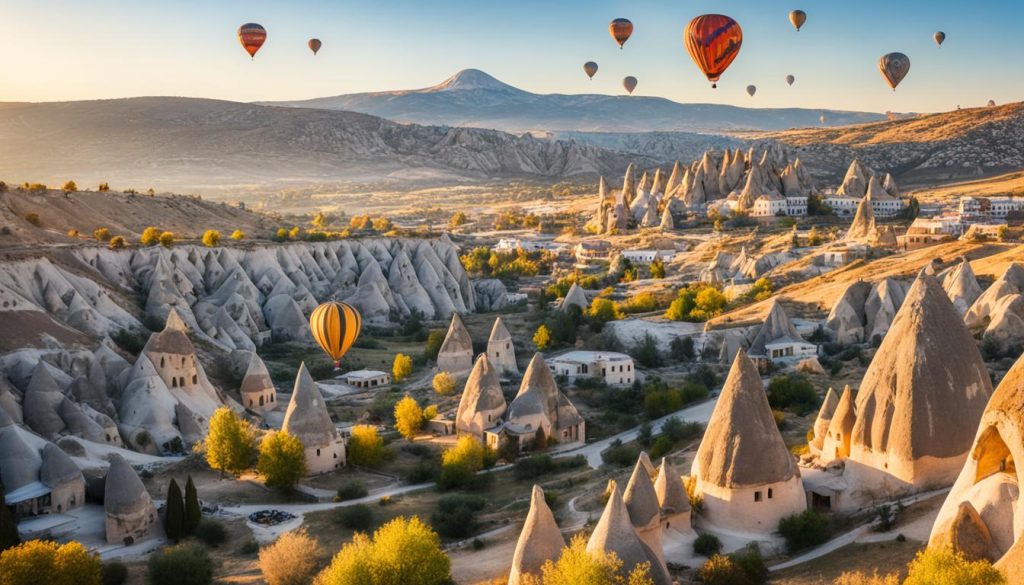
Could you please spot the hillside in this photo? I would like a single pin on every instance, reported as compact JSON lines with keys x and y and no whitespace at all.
{"x":187,"y":144}
{"x":475,"y":99}
{"x":928,"y":148}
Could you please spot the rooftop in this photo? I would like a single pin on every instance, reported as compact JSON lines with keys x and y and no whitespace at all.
{"x":591,"y":356}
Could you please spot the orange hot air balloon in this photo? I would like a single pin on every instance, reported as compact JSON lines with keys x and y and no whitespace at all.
{"x":620,"y":29}
{"x":252,"y":36}
{"x":629,"y":83}
{"x":798,"y":18}
{"x":713,"y":41}
{"x":335,"y":326}
{"x":590,"y":68}
{"x":314,"y":45}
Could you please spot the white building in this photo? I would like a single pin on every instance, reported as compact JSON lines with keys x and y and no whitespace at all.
{"x":589,"y":251}
{"x":991,"y":207}
{"x":648,"y":256}
{"x":768,"y":206}
{"x":927,"y":231}
{"x":882,"y":206}
{"x":842,"y":205}
{"x":616,"y":369}
{"x":366,"y":378}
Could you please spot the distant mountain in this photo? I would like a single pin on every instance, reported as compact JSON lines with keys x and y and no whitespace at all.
{"x":475,"y":99}
{"x":187,"y":144}
{"x":927,"y":148}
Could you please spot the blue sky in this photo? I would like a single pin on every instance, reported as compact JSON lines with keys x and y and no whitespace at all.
{"x":71,"y":49}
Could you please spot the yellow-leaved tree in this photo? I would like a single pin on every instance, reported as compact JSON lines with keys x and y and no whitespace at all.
{"x":578,"y":567}
{"x":408,"y":417}
{"x":401,"y":552}
{"x":38,"y":561}
{"x":943,"y":565}
{"x":443,"y":383}
{"x":150,"y":236}
{"x":238,"y":235}
{"x":365,"y":447}
{"x":230,"y":443}
{"x":211,"y":238}
{"x":542,"y":337}
{"x":402,"y":367}
{"x":282,"y":460}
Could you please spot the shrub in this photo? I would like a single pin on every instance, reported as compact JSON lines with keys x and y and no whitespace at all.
{"x":722,"y":570}
{"x":167,"y":239}
{"x":184,"y":564}
{"x":455,"y":516}
{"x":941,"y":565}
{"x":619,"y":454}
{"x":114,"y":573}
{"x":792,"y":392}
{"x":358,"y":517}
{"x":752,"y":564}
{"x":150,"y":236}
{"x":70,"y":186}
{"x":249,"y":547}
{"x":804,"y":530}
{"x":104,"y":187}
{"x":657,"y":268}
{"x":401,"y":551}
{"x":365,"y":447}
{"x":408,"y":417}
{"x":291,"y":560}
{"x":646,"y":351}
{"x":211,"y":532}
{"x":174,"y":512}
{"x":603,"y":310}
{"x":433,"y":345}
{"x":681,"y":349}
{"x":402,"y":367}
{"x":101,"y":234}
{"x":282,"y":460}
{"x":211,"y":238}
{"x":542,"y":337}
{"x":533,"y":466}
{"x":707,"y":545}
{"x":33,"y":218}
{"x":443,"y":383}
{"x":458,"y":218}
{"x":230,"y":443}
{"x":858,"y":578}
{"x":282,"y":234}
{"x":461,"y":462}
{"x":38,"y":561}
{"x":352,"y":490}
{"x":238,"y":235}
{"x":117,"y":243}
{"x":72,"y":233}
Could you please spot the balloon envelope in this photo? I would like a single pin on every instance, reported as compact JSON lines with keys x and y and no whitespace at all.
{"x":314,"y":45}
{"x":252,"y":37}
{"x":939,"y":37}
{"x":335,"y":326}
{"x":991,"y":103}
{"x":798,"y":18}
{"x":751,"y":89}
{"x":629,"y":83}
{"x":620,"y":29}
{"x":790,"y":79}
{"x":713,"y":41}
{"x":894,"y":67}
{"x":590,"y":68}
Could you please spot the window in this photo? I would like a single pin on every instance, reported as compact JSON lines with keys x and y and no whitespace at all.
{"x":162,"y":359}
{"x":174,"y":382}
{"x":318,"y":452}
{"x":195,"y":378}
{"x":770,"y":493}
{"x":757,"y":496}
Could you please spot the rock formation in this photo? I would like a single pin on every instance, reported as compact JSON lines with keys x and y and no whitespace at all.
{"x":456,"y":354}
{"x":672,"y":497}
{"x":1010,"y":283}
{"x":962,"y":286}
{"x":615,"y":533}
{"x":129,"y":509}
{"x":482,"y":404}
{"x":540,"y":540}
{"x":540,"y":406}
{"x":644,"y":510}
{"x":257,"y":390}
{"x":500,"y":349}
{"x":822,"y":421}
{"x":308,"y":420}
{"x":575,"y":298}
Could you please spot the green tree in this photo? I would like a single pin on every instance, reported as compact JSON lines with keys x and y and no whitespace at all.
{"x":433,"y":346}
{"x":657,"y":268}
{"x":282,"y":460}
{"x":150,"y":236}
{"x":365,"y":447}
{"x":8,"y":530}
{"x":443,"y":383}
{"x":40,"y":561}
{"x":401,"y":552}
{"x":174,"y":512}
{"x":230,"y":443}
{"x":193,"y":510}
{"x":211,"y":238}
{"x":576,"y":566}
{"x":408,"y":417}
{"x":402,"y":367}
{"x":804,"y":530}
{"x":938,"y":566}
{"x":183,"y":564}
{"x":542,"y":337}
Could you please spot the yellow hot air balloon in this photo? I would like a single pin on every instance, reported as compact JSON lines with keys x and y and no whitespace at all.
{"x":797,"y":18}
{"x":335,"y":326}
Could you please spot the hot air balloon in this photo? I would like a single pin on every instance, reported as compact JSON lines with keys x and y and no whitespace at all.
{"x":252,"y":36}
{"x":790,"y":79}
{"x":894,"y":68}
{"x":713,"y":41}
{"x":314,"y":45}
{"x":335,"y":326}
{"x":629,"y":83}
{"x":590,"y":68}
{"x":751,"y":90}
{"x":798,"y":18}
{"x":620,"y":29}
{"x":991,"y":103}
{"x":939,"y":37}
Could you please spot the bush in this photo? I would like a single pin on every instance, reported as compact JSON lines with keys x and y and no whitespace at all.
{"x":38,"y":561}
{"x":104,"y":187}
{"x":238,"y":235}
{"x":184,"y":564}
{"x":101,"y":234}
{"x":646,"y":351}
{"x":114,"y":573}
{"x":211,"y":238}
{"x":707,"y":545}
{"x":402,"y":367}
{"x":619,"y":454}
{"x":455,"y":516}
{"x":352,"y":490}
{"x":150,"y":236}
{"x":804,"y":530}
{"x":793,"y":392}
{"x":533,"y":466}
{"x":443,"y":383}
{"x":117,"y":243}
{"x":358,"y":517}
{"x":433,"y":346}
{"x":401,"y":551}
{"x":461,"y":462}
{"x":542,"y":337}
{"x":722,"y":570}
{"x":935,"y":566}
{"x":230,"y":443}
{"x":167,"y":239}
{"x":282,"y":460}
{"x":705,"y":376}
{"x":70,"y":186}
{"x":408,"y":417}
{"x":681,"y":349}
{"x":211,"y":532}
{"x":291,"y":560}
{"x":33,"y":218}
{"x":858,"y":578}
{"x":365,"y":447}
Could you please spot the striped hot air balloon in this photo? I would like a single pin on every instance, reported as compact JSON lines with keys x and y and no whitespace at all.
{"x":335,"y":326}
{"x":620,"y":29}
{"x":713,"y":41}
{"x":252,"y":37}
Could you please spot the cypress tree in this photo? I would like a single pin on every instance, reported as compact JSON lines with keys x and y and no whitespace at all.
{"x":193,"y":511}
{"x":8,"y":531}
{"x":174,"y":513}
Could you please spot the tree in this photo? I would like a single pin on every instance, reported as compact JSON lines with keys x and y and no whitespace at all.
{"x":934,"y":566}
{"x":319,"y":220}
{"x":193,"y":510}
{"x":150,"y":236}
{"x":104,"y":187}
{"x":458,"y":218}
{"x":461,"y":462}
{"x":603,"y":310}
{"x":402,"y":367}
{"x":291,"y":560}
{"x":230,"y":442}
{"x":70,"y":187}
{"x":8,"y":530}
{"x":294,"y":232}
{"x":443,"y":383}
{"x":174,"y":512}
{"x":183,"y":564}
{"x":813,"y":237}
{"x":282,"y":460}
{"x":101,"y":234}
{"x":804,"y":530}
{"x":408,"y":417}
{"x":1001,"y":233}
{"x":542,"y":337}
{"x":681,"y":348}
{"x":211,"y":238}
{"x":710,"y":301}
{"x":576,"y":566}
{"x":434,"y":342}
{"x":794,"y":392}
{"x":401,"y":552}
{"x":117,"y":243}
{"x":365,"y":447}
{"x":382,"y":224}
{"x":40,"y":561}
{"x":657,"y":268}
{"x":238,"y":235}
{"x":282,"y":234}
{"x":167,"y":239}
